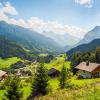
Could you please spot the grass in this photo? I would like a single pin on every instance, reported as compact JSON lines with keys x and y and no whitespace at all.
{"x":26,"y":89}
{"x":54,"y":83}
{"x":43,"y":55}
{"x":2,"y":94}
{"x":83,"y":82}
{"x":87,"y":93}
{"x":6,"y":63}
{"x":57,"y":63}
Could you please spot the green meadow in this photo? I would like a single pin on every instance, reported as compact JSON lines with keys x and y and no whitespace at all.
{"x":57,"y":63}
{"x":6,"y":63}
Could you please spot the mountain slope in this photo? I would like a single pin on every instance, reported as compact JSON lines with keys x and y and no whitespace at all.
{"x":28,"y":39}
{"x":91,"y":35}
{"x":90,"y":47}
{"x":63,"y":40}
{"x":9,"y":48}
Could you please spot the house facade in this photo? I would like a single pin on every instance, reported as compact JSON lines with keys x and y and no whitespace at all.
{"x":88,"y":70}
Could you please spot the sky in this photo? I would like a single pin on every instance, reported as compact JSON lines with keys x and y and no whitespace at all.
{"x":75,"y":17}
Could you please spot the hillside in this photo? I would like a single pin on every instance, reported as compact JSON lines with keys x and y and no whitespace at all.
{"x":6,"y":63}
{"x":28,"y":39}
{"x":91,"y":35}
{"x":62,"y":39}
{"x":90,"y":47}
{"x":9,"y":48}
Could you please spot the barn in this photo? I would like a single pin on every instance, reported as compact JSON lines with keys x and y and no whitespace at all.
{"x":53,"y":72}
{"x":88,"y":70}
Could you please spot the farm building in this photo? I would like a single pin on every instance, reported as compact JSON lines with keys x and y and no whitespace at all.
{"x":53,"y":72}
{"x":88,"y":70}
{"x":3,"y":75}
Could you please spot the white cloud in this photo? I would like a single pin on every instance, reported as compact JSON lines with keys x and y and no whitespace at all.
{"x":53,"y":26}
{"x":38,"y":24}
{"x":8,"y":8}
{"x":86,"y":3}
{"x":19,"y":22}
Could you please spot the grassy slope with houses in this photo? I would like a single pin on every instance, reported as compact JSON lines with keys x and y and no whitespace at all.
{"x":78,"y":91}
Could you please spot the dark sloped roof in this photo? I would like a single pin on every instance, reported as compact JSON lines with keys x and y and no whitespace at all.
{"x":91,"y":67}
{"x":52,"y":70}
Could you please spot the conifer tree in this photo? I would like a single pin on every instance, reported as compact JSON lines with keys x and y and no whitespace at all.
{"x":62,"y":78}
{"x":97,"y":54}
{"x":13,"y":92}
{"x":40,"y":82}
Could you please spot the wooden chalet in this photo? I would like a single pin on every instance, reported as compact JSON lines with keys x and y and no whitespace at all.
{"x":88,"y":70}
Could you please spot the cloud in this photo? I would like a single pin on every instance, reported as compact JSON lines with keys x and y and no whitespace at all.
{"x":86,"y":3}
{"x":7,"y":8}
{"x":37,"y":24}
{"x":55,"y":27}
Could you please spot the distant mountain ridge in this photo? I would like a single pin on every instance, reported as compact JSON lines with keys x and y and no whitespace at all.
{"x":62,"y":39}
{"x":28,"y":39}
{"x":91,"y":35}
{"x":89,"y":47}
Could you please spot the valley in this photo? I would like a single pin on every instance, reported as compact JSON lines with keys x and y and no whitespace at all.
{"x":49,"y":49}
{"x":19,"y":57}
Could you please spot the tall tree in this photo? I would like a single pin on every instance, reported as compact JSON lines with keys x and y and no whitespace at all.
{"x":13,"y":92}
{"x":97,"y":54}
{"x":40,"y":82}
{"x":62,"y":78}
{"x":75,"y":60}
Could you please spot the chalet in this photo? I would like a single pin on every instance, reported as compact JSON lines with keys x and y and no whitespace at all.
{"x":53,"y":72}
{"x":88,"y":70}
{"x":3,"y":75}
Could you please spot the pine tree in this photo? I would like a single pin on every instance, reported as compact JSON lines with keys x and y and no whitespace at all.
{"x":40,"y":82}
{"x":13,"y":92}
{"x":62,"y":78}
{"x":97,"y":54}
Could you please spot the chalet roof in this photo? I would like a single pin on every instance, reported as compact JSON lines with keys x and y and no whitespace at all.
{"x":90,"y":67}
{"x":53,"y":70}
{"x":2,"y":73}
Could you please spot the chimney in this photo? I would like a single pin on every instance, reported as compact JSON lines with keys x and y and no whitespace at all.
{"x":87,"y":63}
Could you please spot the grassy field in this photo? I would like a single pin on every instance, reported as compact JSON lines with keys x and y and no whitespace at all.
{"x":57,"y":63}
{"x":91,"y":92}
{"x":83,"y":82}
{"x":5,"y":63}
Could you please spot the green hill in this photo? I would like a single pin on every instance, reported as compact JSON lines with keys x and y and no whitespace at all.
{"x":9,"y":48}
